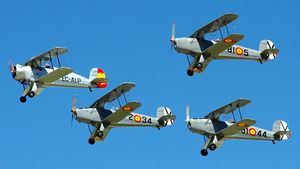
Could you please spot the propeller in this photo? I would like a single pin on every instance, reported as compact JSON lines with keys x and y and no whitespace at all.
{"x":172,"y":40}
{"x":73,"y":109}
{"x":12,"y":68}
{"x":187,"y":114}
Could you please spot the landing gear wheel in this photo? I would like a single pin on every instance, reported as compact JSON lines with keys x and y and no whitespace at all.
{"x":204,"y":152}
{"x":212,"y":147}
{"x":91,"y":141}
{"x":23,"y":99}
{"x":31,"y":94}
{"x":190,"y":72}
{"x":199,"y":66}
{"x":100,"y":134}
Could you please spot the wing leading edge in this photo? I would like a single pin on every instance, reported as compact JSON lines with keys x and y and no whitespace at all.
{"x":214,"y":115}
{"x":214,"y":25}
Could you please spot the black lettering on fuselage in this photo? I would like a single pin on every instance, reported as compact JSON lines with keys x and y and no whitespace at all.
{"x":72,"y":79}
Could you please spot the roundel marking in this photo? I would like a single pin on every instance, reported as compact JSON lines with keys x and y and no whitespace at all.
{"x":137,"y":118}
{"x":228,"y":40}
{"x":252,"y":132}
{"x":127,"y":108}
{"x":239,"y":51}
{"x":241,"y":124}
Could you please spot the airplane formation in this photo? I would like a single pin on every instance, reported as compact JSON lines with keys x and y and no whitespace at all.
{"x":45,"y":70}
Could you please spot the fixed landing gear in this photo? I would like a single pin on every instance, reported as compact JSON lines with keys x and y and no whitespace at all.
{"x":100,"y":134}
{"x":31,"y":94}
{"x":190,"y":72}
{"x":199,"y":65}
{"x":23,"y":99}
{"x":91,"y":141}
{"x":212,"y":147}
{"x":204,"y":152}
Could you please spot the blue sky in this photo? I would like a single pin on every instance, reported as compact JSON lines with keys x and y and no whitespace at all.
{"x":129,"y":40}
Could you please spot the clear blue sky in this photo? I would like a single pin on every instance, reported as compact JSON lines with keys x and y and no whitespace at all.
{"x":130,"y":41}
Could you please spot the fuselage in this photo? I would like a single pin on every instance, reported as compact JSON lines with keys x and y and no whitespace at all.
{"x":194,"y":46}
{"x":208,"y":128}
{"x":94,"y":116}
{"x":27,"y":74}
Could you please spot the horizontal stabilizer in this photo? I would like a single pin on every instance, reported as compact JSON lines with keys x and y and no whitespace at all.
{"x":98,"y":80}
{"x":167,"y":117}
{"x":122,"y":112}
{"x":54,"y":75}
{"x":237,"y":127}
{"x":269,"y":54}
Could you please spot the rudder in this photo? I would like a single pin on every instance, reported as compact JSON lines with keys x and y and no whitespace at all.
{"x":97,"y":75}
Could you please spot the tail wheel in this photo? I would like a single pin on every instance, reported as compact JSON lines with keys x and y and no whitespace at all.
{"x":190,"y":72}
{"x":212,"y":147}
{"x":23,"y":99}
{"x":91,"y":141}
{"x":204,"y":152}
{"x":31,"y":94}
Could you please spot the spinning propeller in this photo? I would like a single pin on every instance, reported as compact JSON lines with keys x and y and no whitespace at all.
{"x":12,"y":68}
{"x":187,"y":119}
{"x":73,"y":109}
{"x":172,"y":40}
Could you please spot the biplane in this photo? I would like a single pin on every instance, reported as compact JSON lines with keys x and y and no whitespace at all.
{"x":103,"y":119}
{"x":39,"y":72}
{"x":216,"y":131}
{"x":203,"y":51}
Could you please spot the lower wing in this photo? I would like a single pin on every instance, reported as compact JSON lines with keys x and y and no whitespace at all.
{"x":54,"y":75}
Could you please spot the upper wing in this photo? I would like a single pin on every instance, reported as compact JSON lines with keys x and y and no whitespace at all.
{"x":227,"y":108}
{"x":222,"y":45}
{"x":214,"y":25}
{"x":36,"y":60}
{"x":237,"y":127}
{"x":54,"y":75}
{"x":112,"y":95}
{"x":122,"y":112}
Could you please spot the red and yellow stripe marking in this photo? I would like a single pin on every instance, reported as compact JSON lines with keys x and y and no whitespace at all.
{"x":101,"y":74}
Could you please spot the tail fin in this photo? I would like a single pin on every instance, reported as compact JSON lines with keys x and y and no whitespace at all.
{"x":98,"y":78}
{"x":281,"y":130}
{"x":165,"y":116}
{"x":268,"y":50}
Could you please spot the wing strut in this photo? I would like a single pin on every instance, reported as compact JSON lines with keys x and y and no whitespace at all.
{"x":124,"y":96}
{"x":232,"y":111}
{"x":51,"y":60}
{"x":240,"y":112}
{"x":220,"y":30}
{"x":57,"y":59}
{"x":227,"y":29}
{"x":119,"y":102}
